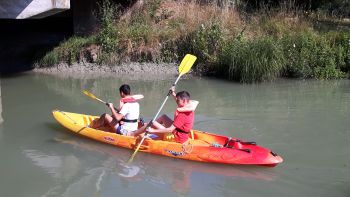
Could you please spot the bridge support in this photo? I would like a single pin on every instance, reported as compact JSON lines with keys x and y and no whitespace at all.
{"x":23,"y":9}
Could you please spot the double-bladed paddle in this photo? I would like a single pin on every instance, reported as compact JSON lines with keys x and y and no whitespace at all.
{"x":184,"y":67}
{"x":89,"y":94}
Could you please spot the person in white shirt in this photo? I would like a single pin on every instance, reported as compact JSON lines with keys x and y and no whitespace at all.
{"x":123,"y":120}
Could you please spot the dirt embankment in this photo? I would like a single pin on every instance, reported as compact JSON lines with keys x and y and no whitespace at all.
{"x":133,"y":69}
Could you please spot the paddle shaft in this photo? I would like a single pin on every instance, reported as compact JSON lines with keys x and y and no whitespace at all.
{"x":94,"y":97}
{"x":151,"y":122}
{"x":113,"y":107}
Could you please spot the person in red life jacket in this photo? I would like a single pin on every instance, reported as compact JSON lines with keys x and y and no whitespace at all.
{"x":183,"y":118}
{"x":123,"y":120}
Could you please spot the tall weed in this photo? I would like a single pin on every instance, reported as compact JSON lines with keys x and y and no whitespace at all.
{"x":251,"y":61}
{"x":108,"y":37}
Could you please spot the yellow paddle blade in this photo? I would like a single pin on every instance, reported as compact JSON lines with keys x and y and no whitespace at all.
{"x":187,"y":63}
{"x":93,"y":96}
{"x":89,"y":94}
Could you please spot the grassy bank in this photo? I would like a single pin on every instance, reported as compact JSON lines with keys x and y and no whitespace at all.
{"x":228,"y":42}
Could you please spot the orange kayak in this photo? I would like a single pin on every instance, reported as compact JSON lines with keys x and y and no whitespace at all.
{"x":202,"y":147}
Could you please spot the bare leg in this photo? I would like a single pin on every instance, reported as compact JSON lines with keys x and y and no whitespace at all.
{"x":98,"y":122}
{"x":138,"y":131}
{"x":165,"y":121}
{"x":161,"y":123}
{"x":103,"y":121}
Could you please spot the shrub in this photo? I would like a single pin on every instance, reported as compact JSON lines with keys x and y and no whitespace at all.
{"x":108,"y":37}
{"x":140,"y":32}
{"x":204,"y":42}
{"x":68,"y":52}
{"x":310,"y":55}
{"x":340,"y":42}
{"x":152,"y":6}
{"x":50,"y":59}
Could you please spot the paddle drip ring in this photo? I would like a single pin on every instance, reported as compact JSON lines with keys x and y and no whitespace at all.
{"x":187,"y":148}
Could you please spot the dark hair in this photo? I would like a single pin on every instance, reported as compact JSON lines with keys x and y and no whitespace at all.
{"x":125,"y":88}
{"x":183,"y":95}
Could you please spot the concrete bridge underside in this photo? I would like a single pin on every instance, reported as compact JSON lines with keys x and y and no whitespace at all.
{"x":24,"y":9}
{"x":31,"y":28}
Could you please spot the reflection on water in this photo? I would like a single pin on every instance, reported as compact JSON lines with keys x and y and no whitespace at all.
{"x":172,"y":174}
{"x":306,"y":122}
{"x":60,"y":167}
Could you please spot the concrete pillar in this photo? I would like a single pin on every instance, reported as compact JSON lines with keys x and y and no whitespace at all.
{"x":1,"y":120}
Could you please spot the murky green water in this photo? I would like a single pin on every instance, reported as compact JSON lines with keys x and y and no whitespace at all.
{"x":306,"y":122}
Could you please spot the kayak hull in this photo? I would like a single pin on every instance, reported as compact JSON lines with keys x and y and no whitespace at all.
{"x":203,"y":147}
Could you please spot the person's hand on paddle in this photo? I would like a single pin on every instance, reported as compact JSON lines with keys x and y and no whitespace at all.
{"x":115,"y":112}
{"x":172,"y":91}
{"x":110,"y":105}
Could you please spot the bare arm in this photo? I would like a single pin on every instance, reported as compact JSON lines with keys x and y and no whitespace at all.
{"x":114,"y":113}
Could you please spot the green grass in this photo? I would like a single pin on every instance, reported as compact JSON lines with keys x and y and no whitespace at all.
{"x":68,"y":51}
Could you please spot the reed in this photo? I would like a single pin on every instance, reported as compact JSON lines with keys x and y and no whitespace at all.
{"x":250,"y":61}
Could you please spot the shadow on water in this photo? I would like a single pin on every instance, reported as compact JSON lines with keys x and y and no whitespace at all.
{"x":25,"y":41}
{"x":13,"y":75}
{"x":158,"y":170}
{"x":54,"y":126}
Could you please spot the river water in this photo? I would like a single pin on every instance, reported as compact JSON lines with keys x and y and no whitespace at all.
{"x":306,"y":122}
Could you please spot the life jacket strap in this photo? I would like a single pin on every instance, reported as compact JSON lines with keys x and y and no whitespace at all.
{"x":126,"y":120}
{"x":181,"y":131}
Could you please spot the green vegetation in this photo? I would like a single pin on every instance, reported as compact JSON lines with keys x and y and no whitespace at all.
{"x":69,"y":51}
{"x":252,"y":42}
{"x":108,"y":36}
{"x":250,"y":61}
{"x":313,"y":55}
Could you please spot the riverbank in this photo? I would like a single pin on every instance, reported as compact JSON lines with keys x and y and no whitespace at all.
{"x":130,"y":70}
{"x":229,"y":42}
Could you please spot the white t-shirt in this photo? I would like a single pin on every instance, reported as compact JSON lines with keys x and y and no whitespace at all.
{"x":131,"y":111}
